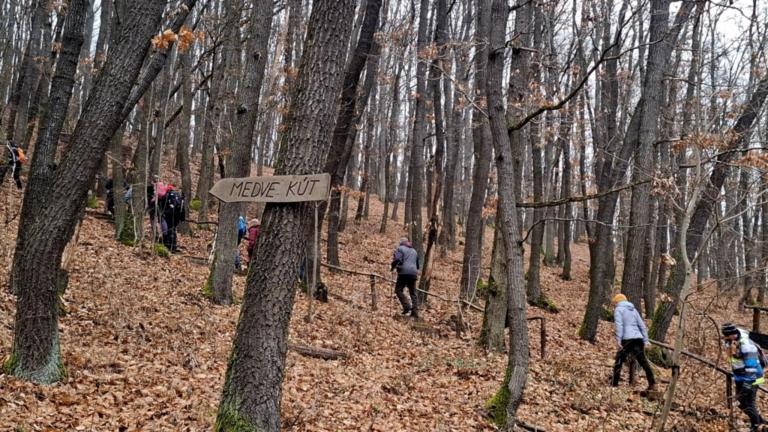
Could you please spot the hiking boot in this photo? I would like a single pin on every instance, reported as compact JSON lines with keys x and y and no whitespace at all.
{"x":414,"y":314}
{"x":406,"y":311}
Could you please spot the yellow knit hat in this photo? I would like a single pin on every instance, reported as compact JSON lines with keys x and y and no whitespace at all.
{"x":618,"y":298}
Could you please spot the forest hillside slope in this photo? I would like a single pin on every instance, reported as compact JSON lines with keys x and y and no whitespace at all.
{"x":144,"y":350}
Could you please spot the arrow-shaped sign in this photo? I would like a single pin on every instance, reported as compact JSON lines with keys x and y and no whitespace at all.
{"x":313,"y":187}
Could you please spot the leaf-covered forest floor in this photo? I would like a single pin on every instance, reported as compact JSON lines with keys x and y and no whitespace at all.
{"x":144,"y":350}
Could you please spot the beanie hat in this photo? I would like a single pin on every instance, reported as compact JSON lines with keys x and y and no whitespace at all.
{"x":403,"y":240}
{"x":618,"y":298}
{"x":729,"y":329}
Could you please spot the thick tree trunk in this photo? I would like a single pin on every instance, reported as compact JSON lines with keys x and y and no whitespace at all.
{"x":104,"y":39}
{"x":44,"y":157}
{"x":253,"y":383}
{"x":246,"y":112}
{"x":517,"y":367}
{"x":36,"y":352}
{"x":658,"y":58}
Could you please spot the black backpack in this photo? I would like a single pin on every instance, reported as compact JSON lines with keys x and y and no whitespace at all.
{"x":174,"y":206}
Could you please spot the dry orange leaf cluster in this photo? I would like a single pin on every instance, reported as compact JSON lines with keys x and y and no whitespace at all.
{"x":163,"y":40}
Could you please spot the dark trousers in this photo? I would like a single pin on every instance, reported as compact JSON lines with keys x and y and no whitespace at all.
{"x":410,"y":282}
{"x":169,"y":238}
{"x":17,"y":175}
{"x":746,"y":395}
{"x":636,"y":348}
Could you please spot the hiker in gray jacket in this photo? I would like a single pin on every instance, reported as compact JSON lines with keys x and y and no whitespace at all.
{"x":406,"y":261}
{"x":631,"y":337}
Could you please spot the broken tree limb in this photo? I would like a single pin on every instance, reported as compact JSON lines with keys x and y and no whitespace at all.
{"x":579,"y":198}
{"x":320,"y":353}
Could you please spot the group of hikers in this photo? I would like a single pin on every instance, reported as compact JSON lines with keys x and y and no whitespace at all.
{"x":250,"y":232}
{"x":166,"y":208}
{"x":165,"y":205}
{"x":743,"y":347}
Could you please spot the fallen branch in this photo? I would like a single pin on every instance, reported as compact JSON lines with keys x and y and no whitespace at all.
{"x":321,"y":353}
{"x":529,"y":427}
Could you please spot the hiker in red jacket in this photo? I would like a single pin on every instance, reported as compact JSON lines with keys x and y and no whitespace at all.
{"x":253,"y":236}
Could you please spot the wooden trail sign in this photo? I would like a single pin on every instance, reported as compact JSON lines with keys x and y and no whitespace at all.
{"x":297,"y":188}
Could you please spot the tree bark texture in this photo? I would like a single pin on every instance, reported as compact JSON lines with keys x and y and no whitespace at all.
{"x":416,"y":171}
{"x":648,"y":132}
{"x":36,"y":353}
{"x":253,"y":383}
{"x":348,"y":112}
{"x":517,"y":367}
{"x":246,"y":116}
{"x":483,"y":149}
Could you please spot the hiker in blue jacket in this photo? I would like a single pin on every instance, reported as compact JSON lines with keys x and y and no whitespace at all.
{"x":406,"y":261}
{"x":747,"y":365}
{"x":631,"y":337}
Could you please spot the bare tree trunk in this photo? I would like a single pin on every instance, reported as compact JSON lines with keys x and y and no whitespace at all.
{"x":367,"y":149}
{"x":37,"y":261}
{"x":246,"y":113}
{"x":18,"y":106}
{"x":350,"y":110}
{"x":642,"y":170}
{"x":453,"y":108}
{"x":483,"y":148}
{"x":495,"y":314}
{"x":121,"y":215}
{"x":253,"y":383}
{"x":213,"y":115}
{"x":533,"y":282}
{"x":517,"y":367}
{"x":416,"y":171}
{"x":610,"y":173}
{"x":184,"y":144}
{"x":390,"y":161}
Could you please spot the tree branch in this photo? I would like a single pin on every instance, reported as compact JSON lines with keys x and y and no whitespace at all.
{"x":579,"y":198}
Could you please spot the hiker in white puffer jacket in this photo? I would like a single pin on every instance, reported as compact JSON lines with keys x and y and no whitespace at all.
{"x":631,"y":337}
